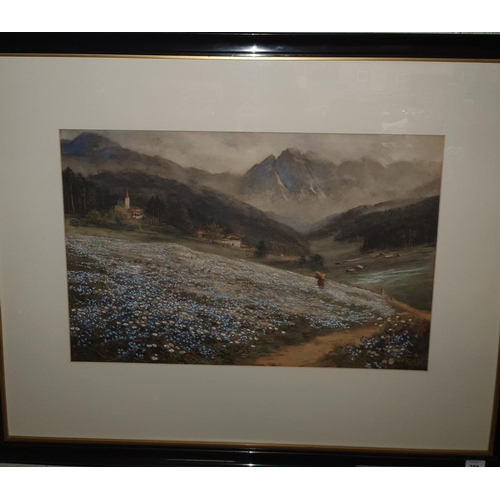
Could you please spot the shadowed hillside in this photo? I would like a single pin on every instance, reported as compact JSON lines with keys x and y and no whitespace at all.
{"x":402,"y":227}
{"x":184,"y":207}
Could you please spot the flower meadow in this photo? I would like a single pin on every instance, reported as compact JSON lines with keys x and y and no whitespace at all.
{"x":402,"y":344}
{"x":164,"y":303}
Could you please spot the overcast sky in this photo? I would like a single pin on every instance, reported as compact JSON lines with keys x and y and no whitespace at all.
{"x":238,"y":151}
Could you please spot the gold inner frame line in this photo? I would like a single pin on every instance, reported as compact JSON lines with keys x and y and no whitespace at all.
{"x":256,"y":57}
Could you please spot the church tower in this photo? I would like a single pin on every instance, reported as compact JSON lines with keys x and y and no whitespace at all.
{"x":127,"y":201}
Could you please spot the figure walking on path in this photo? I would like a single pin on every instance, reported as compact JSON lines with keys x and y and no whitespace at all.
{"x":321,"y":279}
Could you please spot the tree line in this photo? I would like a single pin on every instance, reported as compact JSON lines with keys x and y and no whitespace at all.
{"x":395,"y":228}
{"x":81,"y":195}
{"x":84,"y":198}
{"x":171,"y":212}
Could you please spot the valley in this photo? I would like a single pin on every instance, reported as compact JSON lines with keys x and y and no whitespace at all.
{"x":408,"y":277}
{"x":180,"y":264}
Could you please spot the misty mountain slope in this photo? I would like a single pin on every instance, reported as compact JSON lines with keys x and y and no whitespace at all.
{"x":205,"y":206}
{"x":431,"y":188}
{"x":299,"y":188}
{"x":91,"y":154}
{"x":385,"y":228}
{"x":303,"y":188}
{"x":87,"y":144}
{"x":262,"y":179}
{"x":291,"y":175}
{"x":328,"y":225}
{"x":305,"y":175}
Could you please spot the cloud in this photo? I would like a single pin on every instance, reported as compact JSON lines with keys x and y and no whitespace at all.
{"x":238,"y":151}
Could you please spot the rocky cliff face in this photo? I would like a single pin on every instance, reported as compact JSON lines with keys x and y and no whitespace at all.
{"x":303,"y":188}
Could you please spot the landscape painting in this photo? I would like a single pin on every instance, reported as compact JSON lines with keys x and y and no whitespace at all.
{"x":244,"y":248}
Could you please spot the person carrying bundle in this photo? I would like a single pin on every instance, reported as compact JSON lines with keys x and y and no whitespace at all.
{"x":321,"y":279}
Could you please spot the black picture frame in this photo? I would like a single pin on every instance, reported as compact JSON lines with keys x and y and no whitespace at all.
{"x":410,"y":46}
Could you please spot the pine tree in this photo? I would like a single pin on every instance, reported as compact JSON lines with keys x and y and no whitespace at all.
{"x":261,"y":249}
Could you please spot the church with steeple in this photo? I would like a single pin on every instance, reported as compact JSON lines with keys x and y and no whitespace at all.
{"x":133,"y":212}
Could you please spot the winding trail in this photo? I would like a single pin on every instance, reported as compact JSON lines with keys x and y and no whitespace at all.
{"x":310,"y":353}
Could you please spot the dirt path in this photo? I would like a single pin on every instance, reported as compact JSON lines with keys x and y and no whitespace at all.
{"x":310,"y":353}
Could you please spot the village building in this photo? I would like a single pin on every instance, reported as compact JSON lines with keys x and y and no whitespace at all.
{"x":232,"y":240}
{"x":132,"y":212}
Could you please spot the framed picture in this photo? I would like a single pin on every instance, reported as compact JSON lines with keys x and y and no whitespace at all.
{"x":218,"y":244}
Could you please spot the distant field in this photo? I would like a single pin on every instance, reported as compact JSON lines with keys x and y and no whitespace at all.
{"x":408,"y":278}
{"x":150,"y":234}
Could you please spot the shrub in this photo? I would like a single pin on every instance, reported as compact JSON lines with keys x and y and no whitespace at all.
{"x":261,"y":249}
{"x":118,"y":214}
{"x":93,"y":217}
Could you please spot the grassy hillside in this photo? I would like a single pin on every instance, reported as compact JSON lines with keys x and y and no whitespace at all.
{"x":161,"y":302}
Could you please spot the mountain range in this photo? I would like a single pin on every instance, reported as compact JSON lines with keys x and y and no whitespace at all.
{"x":296,"y":188}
